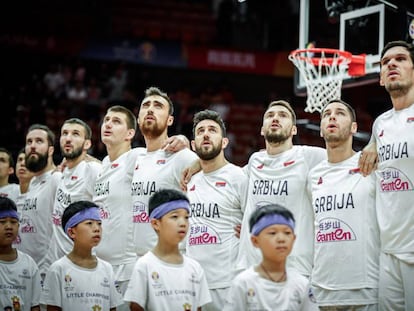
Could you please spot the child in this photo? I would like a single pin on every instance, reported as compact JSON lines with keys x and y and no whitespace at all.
{"x":19,"y":274}
{"x":164,"y":279}
{"x":269,"y":286}
{"x":79,"y":280}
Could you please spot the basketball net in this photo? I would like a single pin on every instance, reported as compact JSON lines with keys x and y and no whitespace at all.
{"x":322,"y":71}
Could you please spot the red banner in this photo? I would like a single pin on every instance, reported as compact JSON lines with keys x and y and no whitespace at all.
{"x":276,"y":64}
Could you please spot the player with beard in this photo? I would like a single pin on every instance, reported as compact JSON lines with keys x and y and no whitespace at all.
{"x":77,"y":183}
{"x":157,"y":168}
{"x":217,"y":197}
{"x":36,"y":212}
{"x":345,"y":219}
{"x":278,"y":175}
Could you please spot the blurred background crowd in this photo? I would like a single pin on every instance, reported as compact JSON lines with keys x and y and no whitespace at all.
{"x":75,"y":58}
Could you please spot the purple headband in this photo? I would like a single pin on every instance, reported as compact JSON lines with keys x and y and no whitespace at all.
{"x":165,"y":208}
{"x":91,"y":213}
{"x":273,"y":219}
{"x":9,"y":213}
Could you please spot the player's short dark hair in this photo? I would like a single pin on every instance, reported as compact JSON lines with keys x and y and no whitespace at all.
{"x":163,"y":196}
{"x":269,"y":209}
{"x":74,"y":208}
{"x":408,"y":46}
{"x":348,"y":106}
{"x":131,"y":120}
{"x":88,"y":131}
{"x":209,"y":115}
{"x":50,"y":135}
{"x":155,"y":91}
{"x":285,"y":104}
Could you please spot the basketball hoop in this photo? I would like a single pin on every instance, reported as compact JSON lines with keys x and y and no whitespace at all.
{"x":323,"y":71}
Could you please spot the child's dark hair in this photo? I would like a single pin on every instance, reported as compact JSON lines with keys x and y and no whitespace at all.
{"x":163,"y":196}
{"x":7,"y":204}
{"x":269,"y":209}
{"x":74,"y":208}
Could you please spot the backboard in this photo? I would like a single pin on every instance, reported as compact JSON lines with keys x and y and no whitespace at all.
{"x":356,"y":26}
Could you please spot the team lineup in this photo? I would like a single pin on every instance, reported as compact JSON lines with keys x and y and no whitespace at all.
{"x":173,"y":225}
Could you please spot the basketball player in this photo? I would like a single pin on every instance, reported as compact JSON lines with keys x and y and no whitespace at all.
{"x":347,"y":245}
{"x":217,"y":199}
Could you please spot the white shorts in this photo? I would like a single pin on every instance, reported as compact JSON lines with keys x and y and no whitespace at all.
{"x":218,"y":297}
{"x":396,"y":284}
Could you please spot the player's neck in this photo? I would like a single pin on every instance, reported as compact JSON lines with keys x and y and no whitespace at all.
{"x":24,"y":186}
{"x":8,"y":253}
{"x":277,"y":148}
{"x":73,"y":162}
{"x":155,"y":143}
{"x":338,"y":152}
{"x":168,"y":253}
{"x":4,"y":181}
{"x":209,"y":166}
{"x":49,"y":167}
{"x":83,"y":257}
{"x":403,"y":101}
{"x":115,"y":151}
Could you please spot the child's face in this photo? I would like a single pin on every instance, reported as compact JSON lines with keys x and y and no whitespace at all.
{"x":87,"y":232}
{"x":9,"y":227}
{"x":173,"y":225}
{"x":275,"y":242}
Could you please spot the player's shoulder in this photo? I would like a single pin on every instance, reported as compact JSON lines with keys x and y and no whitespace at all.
{"x":233,"y":170}
{"x":306,"y":150}
{"x":385,"y":116}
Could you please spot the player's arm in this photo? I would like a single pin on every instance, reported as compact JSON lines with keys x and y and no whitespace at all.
{"x":188,"y":172}
{"x":53,"y":308}
{"x":133,"y":306}
{"x":369,"y":158}
{"x":176,"y":143}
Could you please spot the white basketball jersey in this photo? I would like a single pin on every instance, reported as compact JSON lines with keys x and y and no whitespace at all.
{"x":347,"y":244}
{"x":11,"y":191}
{"x":154,"y":171}
{"x":393,"y":132}
{"x":76,"y":184}
{"x":216,"y":200}
{"x":282,"y":179}
{"x":36,"y":218}
{"x":113,"y":196}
